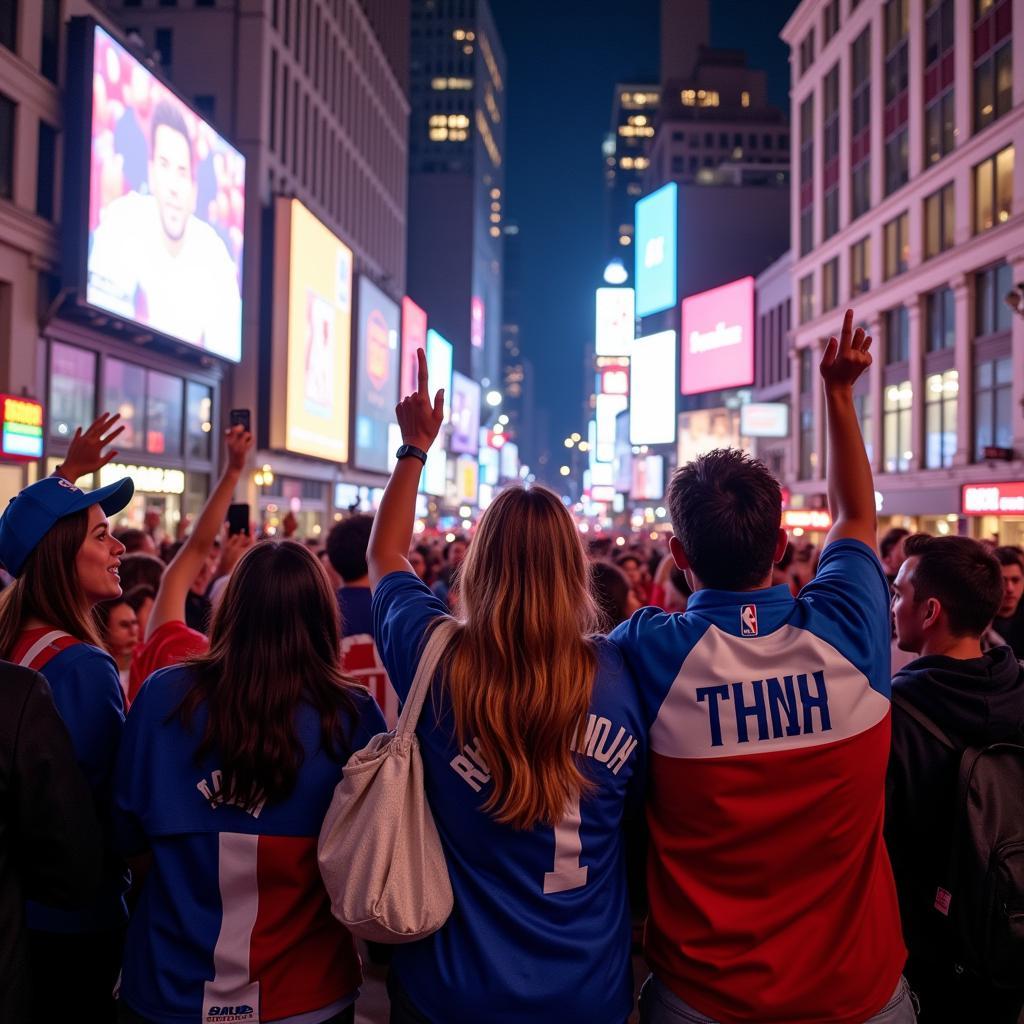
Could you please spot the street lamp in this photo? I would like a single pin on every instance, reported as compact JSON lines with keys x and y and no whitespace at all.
{"x":615,"y":273}
{"x":493,"y":398}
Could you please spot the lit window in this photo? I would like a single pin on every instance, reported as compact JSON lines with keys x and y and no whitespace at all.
{"x":495,"y":193}
{"x":699,"y":97}
{"x":744,"y":98}
{"x":624,"y":240}
{"x":468,"y":49}
{"x":641,"y":163}
{"x":495,"y":232}
{"x":442,"y":84}
{"x":495,"y":218}
{"x":626,"y":163}
{"x":459,"y":34}
{"x":638,"y":119}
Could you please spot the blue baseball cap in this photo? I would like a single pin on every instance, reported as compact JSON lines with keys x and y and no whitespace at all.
{"x":31,"y":513}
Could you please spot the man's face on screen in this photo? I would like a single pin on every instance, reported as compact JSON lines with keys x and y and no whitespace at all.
{"x":171,"y":180}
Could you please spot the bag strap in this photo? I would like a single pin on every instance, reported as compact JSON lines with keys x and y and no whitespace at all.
{"x":923,"y":720}
{"x":429,"y":659}
{"x":48,"y":646}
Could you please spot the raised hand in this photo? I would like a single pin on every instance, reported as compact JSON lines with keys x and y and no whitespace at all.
{"x":239,"y":444}
{"x":418,"y":419}
{"x":847,"y":357}
{"x":85,"y":453}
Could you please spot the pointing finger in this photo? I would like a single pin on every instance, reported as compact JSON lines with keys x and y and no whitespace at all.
{"x":846,"y":338}
{"x":421,"y":360}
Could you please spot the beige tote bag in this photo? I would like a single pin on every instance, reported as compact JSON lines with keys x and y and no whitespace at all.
{"x":379,"y":852}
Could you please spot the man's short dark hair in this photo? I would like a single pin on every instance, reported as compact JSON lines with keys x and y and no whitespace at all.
{"x":448,"y":547}
{"x":346,"y":547}
{"x":141,"y":568}
{"x":890,"y":539}
{"x":962,"y":575}
{"x":170,"y":116}
{"x":1008,"y":554}
{"x":726,"y":510}
{"x":132,"y":538}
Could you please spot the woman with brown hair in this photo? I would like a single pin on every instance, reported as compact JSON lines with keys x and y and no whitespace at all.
{"x":532,"y":745}
{"x":56,"y":541}
{"x":226,"y":770}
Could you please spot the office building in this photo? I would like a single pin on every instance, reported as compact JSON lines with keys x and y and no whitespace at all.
{"x":457,"y":201}
{"x":909,"y":207}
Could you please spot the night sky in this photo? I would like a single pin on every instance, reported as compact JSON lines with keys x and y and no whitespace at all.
{"x":564,"y":57}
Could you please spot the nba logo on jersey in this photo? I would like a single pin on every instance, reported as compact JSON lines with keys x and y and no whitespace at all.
{"x":748,"y":620}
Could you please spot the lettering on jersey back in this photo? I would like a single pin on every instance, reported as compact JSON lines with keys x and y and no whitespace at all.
{"x":600,"y":740}
{"x":766,"y":709}
{"x":213,"y":791}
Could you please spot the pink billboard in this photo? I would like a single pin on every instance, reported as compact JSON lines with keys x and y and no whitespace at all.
{"x":717,"y":346}
{"x":414,"y":336}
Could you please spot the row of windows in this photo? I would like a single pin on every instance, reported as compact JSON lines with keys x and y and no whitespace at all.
{"x":753,"y":140}
{"x":993,"y":203}
{"x":992,"y":94}
{"x":49,"y":41}
{"x":773,"y":344}
{"x":46,"y":159}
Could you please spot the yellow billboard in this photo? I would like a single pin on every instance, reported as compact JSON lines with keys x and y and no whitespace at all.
{"x":312,"y":348}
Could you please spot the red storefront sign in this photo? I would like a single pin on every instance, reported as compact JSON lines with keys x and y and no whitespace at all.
{"x":806,"y":519}
{"x":1001,"y":499}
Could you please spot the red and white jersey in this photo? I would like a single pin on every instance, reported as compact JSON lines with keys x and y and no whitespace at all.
{"x":772,"y":898}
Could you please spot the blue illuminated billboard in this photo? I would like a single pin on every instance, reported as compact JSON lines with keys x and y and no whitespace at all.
{"x":655,"y":250}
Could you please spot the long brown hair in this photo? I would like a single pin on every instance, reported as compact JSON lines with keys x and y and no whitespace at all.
{"x":521,"y":666}
{"x":47,"y":587}
{"x":275,"y":641}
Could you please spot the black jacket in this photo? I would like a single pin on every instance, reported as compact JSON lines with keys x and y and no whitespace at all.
{"x":50,"y":847}
{"x":975,"y":702}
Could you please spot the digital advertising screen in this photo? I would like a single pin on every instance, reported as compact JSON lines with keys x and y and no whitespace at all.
{"x":414,"y":336}
{"x":476,"y":322}
{"x":655,"y":231}
{"x":613,"y":379}
{"x":490,"y":464}
{"x":312,"y":336}
{"x":165,"y":208}
{"x":764,"y":419}
{"x":434,"y":478}
{"x":703,"y":430}
{"x":467,"y":479}
{"x":440,"y":358}
{"x":623,"y":463}
{"x":717,"y":348}
{"x":648,"y":478}
{"x":614,"y":322}
{"x":376,"y":376}
{"x":510,"y":460}
{"x":465,"y":436}
{"x":652,"y":400}
{"x":607,"y":408}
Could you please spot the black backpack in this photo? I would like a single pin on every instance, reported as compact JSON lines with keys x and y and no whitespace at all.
{"x":982,"y":895}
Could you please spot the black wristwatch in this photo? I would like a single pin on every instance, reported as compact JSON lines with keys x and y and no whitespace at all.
{"x":411,"y":449}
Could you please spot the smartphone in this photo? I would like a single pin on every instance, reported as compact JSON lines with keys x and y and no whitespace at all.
{"x":238,"y":518}
{"x":240,"y":418}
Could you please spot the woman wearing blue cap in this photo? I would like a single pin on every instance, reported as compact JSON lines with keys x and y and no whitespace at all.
{"x":56,"y":542}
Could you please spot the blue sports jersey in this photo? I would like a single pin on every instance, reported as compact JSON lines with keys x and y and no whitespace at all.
{"x":233,"y":921}
{"x":540,"y":929}
{"x":87,"y":692}
{"x":359,"y":657}
{"x":771,"y":895}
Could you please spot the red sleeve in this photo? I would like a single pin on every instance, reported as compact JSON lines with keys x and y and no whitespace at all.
{"x":171,"y":644}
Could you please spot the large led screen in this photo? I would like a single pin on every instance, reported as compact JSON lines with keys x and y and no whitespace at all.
{"x":718,"y":339}
{"x":615,"y":321}
{"x":764,"y":419}
{"x":652,"y":400}
{"x":311,"y":336}
{"x":376,"y":376}
{"x":465,"y":439}
{"x":648,"y":478}
{"x":440,"y":357}
{"x":414,"y":336}
{"x":655,"y":231}
{"x":166,"y":209}
{"x":607,"y":408}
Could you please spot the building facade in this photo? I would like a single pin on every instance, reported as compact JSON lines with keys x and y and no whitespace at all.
{"x":625,"y":150}
{"x":909,"y":206}
{"x":457,"y":201}
{"x":315,"y":97}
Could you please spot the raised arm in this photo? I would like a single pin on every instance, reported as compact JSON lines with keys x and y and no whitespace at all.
{"x":170,"y":599}
{"x":851,"y":487}
{"x":85,"y":452}
{"x":391,"y":535}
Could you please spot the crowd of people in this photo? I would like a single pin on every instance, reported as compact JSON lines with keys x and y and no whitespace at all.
{"x":754,"y":754}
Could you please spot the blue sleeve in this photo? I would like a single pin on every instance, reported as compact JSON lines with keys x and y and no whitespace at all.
{"x":847,"y":604}
{"x":131,"y":779}
{"x":654,"y":645}
{"x":369,"y":721}
{"x":87,"y":691}
{"x":403,"y":608}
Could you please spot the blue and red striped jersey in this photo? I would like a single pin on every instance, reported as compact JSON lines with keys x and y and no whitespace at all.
{"x":771,"y":895}
{"x":233,"y":922}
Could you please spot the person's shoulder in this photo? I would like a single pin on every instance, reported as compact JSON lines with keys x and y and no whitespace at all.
{"x":205,"y":238}
{"x":165,"y":687}
{"x":83,"y":657}
{"x":849,"y":551}
{"x":127,"y":211}
{"x":18,"y":685}
{"x":650,"y":623}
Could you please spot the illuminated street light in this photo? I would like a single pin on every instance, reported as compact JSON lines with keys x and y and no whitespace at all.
{"x":503,"y":419}
{"x":493,"y":399}
{"x":568,"y":442}
{"x":564,"y":471}
{"x":575,"y":436}
{"x":615,"y":273}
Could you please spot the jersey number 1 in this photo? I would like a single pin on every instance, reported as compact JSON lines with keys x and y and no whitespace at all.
{"x":567,"y":873}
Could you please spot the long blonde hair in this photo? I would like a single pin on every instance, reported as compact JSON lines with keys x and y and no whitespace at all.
{"x":521,"y":667}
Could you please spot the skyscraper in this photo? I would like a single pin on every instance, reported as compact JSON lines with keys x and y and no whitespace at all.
{"x":457,"y":177}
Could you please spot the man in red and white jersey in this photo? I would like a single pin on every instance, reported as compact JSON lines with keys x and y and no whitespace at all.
{"x":771,"y":894}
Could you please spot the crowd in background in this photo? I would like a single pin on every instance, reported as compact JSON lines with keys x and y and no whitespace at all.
{"x":791,"y":850}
